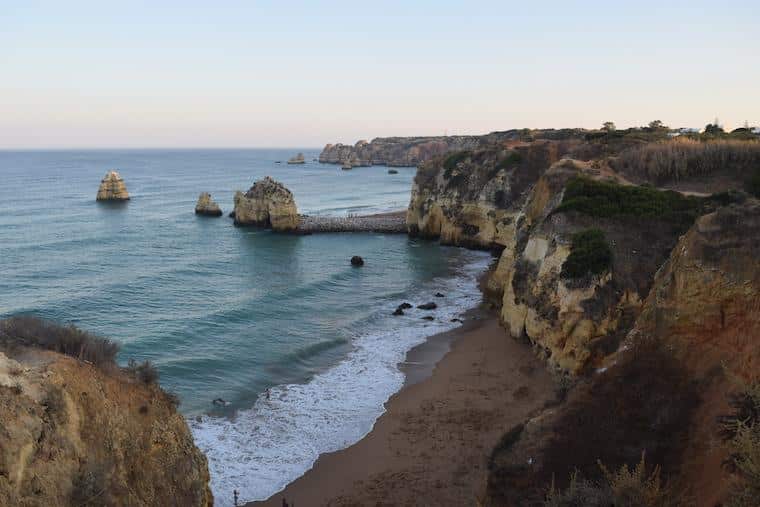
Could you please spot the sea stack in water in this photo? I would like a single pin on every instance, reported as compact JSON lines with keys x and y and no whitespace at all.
{"x":298,"y":159}
{"x":267,"y":204}
{"x":112,"y":188}
{"x":207,"y":206}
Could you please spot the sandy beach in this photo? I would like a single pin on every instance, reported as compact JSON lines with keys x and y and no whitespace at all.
{"x":464,"y":389}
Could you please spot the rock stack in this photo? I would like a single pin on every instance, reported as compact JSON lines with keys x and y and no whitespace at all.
{"x":298,"y":159}
{"x":112,"y":188}
{"x":267,"y":204}
{"x":207,"y":206}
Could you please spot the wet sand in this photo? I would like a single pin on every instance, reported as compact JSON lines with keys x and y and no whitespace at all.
{"x":464,"y":390}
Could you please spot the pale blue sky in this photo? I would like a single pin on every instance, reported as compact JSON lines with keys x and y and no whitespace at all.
{"x":107,"y":74}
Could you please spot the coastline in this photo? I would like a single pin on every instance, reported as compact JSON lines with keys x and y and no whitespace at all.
{"x":463,"y":389}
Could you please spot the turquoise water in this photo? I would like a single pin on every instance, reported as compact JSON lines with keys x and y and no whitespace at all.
{"x":230,"y":312}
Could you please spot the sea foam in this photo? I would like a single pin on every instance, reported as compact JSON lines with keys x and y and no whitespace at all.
{"x":262,"y":449}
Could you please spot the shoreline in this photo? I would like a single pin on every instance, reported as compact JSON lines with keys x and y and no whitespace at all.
{"x":463,"y":389}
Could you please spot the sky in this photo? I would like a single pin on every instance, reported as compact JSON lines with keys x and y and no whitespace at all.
{"x":301,"y":74}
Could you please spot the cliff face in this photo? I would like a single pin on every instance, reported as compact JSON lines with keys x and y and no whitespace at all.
{"x":267,"y":204}
{"x":474,"y":198}
{"x":74,"y":435}
{"x":665,"y":390}
{"x":112,"y":188}
{"x":580,"y":245}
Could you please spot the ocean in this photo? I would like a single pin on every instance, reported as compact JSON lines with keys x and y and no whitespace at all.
{"x":227,"y":312}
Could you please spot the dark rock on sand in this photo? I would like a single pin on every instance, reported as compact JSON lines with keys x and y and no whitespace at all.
{"x":457,"y":320}
{"x":428,"y":306}
{"x":357,"y":261}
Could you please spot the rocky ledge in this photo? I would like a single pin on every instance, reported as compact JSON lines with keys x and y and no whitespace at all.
{"x":207,"y":206}
{"x":389,"y":223}
{"x":267,"y":204}
{"x":112,"y":188}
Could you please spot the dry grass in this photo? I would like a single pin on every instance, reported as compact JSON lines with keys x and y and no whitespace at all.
{"x":681,"y":159}
{"x":741,"y":429}
{"x":70,"y":340}
{"x":634,"y":487}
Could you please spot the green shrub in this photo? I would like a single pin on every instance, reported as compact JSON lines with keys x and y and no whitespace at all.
{"x":605,"y":200}
{"x":70,"y":340}
{"x":753,"y":185}
{"x":450,"y":163}
{"x":510,"y":160}
{"x":589,"y":255}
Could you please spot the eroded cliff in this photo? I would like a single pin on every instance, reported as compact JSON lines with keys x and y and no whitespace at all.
{"x":72,"y":433}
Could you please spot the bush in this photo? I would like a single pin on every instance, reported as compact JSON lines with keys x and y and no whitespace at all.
{"x":606,"y":200}
{"x":35,"y":332}
{"x":450,"y":163}
{"x":145,"y":372}
{"x":510,"y":160}
{"x":753,"y":185}
{"x":625,"y":488}
{"x":741,"y":430}
{"x":589,"y":255}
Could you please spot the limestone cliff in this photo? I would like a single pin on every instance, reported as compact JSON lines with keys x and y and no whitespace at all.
{"x":411,"y":151}
{"x":112,"y":188}
{"x":73,"y":434}
{"x":664,"y":390}
{"x":579,"y":244}
{"x":207,"y":206}
{"x":267,"y":204}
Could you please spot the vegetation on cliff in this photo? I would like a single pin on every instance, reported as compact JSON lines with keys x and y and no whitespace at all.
{"x":589,"y":255}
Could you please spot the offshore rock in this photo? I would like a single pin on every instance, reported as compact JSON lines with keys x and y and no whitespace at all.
{"x":298,"y":159}
{"x":267,"y":204}
{"x":207,"y":206}
{"x":112,"y":188}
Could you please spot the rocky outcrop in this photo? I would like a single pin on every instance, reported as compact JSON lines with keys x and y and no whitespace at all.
{"x":267,"y":204}
{"x":73,"y":434}
{"x":207,"y":206}
{"x":112,"y":188}
{"x":298,"y":159}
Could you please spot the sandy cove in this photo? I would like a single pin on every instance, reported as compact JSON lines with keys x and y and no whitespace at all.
{"x":431,"y":446}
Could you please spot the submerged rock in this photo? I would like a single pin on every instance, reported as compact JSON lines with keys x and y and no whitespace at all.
{"x":440,"y":295}
{"x":392,"y":171}
{"x":428,"y":306}
{"x":357,"y":261}
{"x":207,"y":206}
{"x":112,"y":188}
{"x":267,"y":204}
{"x":428,"y":317}
{"x":405,"y":306}
{"x":398,"y":311}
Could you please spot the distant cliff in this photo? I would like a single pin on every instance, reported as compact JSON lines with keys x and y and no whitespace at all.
{"x":413,"y":151}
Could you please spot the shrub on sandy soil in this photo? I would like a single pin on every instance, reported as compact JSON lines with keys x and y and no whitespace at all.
{"x":634,"y":487}
{"x":741,"y":430}
{"x":70,"y":340}
{"x":145,"y":372}
{"x":589,"y":255}
{"x":680,"y":159}
{"x":601,"y":199}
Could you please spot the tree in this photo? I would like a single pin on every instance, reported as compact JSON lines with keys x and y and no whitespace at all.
{"x":608,"y":126}
{"x":713,"y":128}
{"x":656,"y":125}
